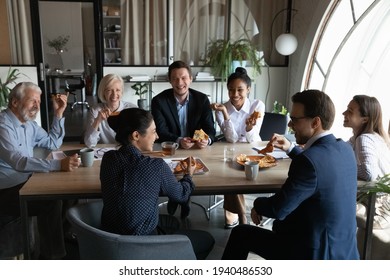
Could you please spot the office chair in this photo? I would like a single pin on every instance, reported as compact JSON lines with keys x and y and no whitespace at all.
{"x":71,"y":88}
{"x":95,"y":244}
{"x":273,"y":123}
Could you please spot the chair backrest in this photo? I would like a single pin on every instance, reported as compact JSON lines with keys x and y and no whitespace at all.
{"x":96,"y":244}
{"x":273,"y":123}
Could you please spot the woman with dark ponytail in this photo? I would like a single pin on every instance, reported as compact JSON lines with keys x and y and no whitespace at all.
{"x":234,"y":119}
{"x":132,"y":182}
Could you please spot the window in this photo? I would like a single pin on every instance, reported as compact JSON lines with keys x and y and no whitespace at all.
{"x":353,"y":56}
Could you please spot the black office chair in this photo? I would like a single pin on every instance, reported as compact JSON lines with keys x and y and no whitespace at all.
{"x":71,"y":88}
{"x":273,"y":123}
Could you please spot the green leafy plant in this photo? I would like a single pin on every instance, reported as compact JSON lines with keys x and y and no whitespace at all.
{"x":221,"y":53}
{"x":5,"y":88}
{"x":279,"y":108}
{"x":380,"y":186}
{"x":59,"y":43}
{"x":140,"y":89}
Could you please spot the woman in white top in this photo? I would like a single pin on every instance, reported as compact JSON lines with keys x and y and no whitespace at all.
{"x":371,"y":145}
{"x":110,"y":93}
{"x":369,"y":141}
{"x":233,"y":119}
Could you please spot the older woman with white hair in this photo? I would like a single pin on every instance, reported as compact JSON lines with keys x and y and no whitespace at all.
{"x":110,"y":93}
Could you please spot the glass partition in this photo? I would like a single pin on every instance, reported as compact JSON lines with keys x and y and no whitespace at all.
{"x":195,"y":23}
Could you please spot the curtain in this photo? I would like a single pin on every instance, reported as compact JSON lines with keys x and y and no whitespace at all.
{"x":144,"y":32}
{"x":20,"y":30}
{"x":195,"y":24}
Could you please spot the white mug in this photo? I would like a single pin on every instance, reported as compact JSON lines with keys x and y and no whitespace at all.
{"x":87,"y":156}
{"x":251,"y":170}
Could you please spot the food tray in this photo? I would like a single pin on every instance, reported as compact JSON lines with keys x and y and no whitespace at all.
{"x":201,"y":167}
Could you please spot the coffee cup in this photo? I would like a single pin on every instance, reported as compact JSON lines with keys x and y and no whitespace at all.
{"x":87,"y":157}
{"x":251,"y":170}
{"x":169,"y":148}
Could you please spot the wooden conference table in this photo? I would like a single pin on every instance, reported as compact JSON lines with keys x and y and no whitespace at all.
{"x":222,"y":178}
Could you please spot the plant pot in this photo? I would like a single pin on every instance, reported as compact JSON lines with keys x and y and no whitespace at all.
{"x":237,"y":63}
{"x":142,"y":103}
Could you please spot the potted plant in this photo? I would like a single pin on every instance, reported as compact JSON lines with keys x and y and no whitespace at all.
{"x":380,"y":185}
{"x":141,"y":89}
{"x":59,"y":43}
{"x":221,"y":53}
{"x":5,"y":89}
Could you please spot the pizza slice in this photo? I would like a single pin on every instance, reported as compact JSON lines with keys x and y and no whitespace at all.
{"x":255,"y":115}
{"x":200,"y":135}
{"x":116,"y":113}
{"x":267,"y":149}
{"x":267,"y":161}
{"x":181,"y":167}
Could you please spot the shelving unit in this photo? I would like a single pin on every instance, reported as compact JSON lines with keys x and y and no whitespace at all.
{"x":111,"y":34}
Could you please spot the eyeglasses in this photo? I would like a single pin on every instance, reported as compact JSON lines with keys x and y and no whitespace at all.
{"x":296,"y":119}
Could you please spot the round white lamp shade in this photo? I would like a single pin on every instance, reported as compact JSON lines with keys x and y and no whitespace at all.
{"x":286,"y":44}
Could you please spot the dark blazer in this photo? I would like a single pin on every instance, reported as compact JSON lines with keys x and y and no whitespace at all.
{"x":199,"y":115}
{"x":315,"y":210}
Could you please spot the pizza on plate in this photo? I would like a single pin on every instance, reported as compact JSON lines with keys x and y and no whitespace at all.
{"x":264,"y":161}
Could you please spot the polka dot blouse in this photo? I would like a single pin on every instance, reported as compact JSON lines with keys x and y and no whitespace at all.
{"x":131,"y":185}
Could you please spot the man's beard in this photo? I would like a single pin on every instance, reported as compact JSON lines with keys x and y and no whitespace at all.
{"x":26,"y":116}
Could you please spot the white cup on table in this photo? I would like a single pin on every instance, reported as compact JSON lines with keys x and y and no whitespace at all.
{"x":251,"y":170}
{"x":87,"y":157}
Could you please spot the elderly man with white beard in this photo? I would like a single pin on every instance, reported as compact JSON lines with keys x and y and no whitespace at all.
{"x":19,"y":135}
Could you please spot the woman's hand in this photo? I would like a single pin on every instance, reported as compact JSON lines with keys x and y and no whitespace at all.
{"x":221,"y":108}
{"x":217,"y":107}
{"x":191,"y":166}
{"x":103,"y":114}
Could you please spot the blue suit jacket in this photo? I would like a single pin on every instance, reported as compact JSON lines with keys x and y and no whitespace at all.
{"x":315,"y":210}
{"x":167,"y":119}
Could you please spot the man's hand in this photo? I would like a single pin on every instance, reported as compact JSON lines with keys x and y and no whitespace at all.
{"x":256,"y":218}
{"x":281,"y":142}
{"x":186,"y":143}
{"x":60,"y":101}
{"x":201,"y":144}
{"x":70,"y":163}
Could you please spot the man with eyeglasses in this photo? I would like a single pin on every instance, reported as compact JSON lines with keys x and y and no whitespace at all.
{"x":314,"y":211}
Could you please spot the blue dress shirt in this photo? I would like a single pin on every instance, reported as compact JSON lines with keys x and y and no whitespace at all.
{"x":17,"y":143}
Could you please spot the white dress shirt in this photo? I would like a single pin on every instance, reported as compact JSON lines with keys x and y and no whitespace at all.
{"x":234,"y":129}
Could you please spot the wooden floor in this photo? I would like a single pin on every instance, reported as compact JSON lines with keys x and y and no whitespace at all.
{"x":74,"y":124}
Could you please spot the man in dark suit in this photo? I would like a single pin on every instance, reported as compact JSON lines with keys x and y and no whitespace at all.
{"x":178,"y":112}
{"x":315,"y":210}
